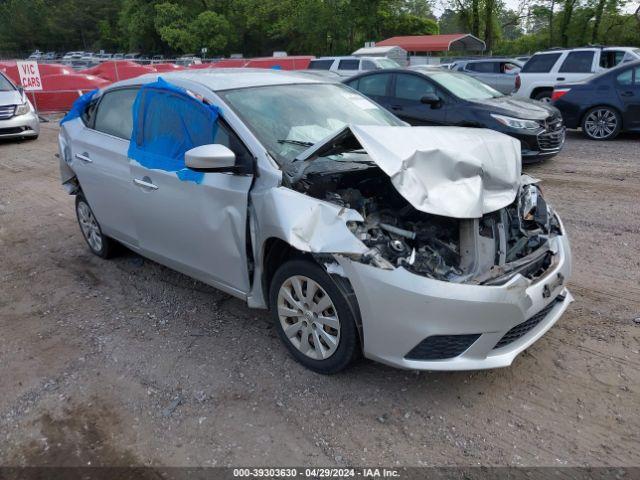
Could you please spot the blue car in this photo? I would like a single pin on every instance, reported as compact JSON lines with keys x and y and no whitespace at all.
{"x":602,"y":105}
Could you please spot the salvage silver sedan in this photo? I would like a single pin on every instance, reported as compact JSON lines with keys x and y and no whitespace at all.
{"x":419,"y":247}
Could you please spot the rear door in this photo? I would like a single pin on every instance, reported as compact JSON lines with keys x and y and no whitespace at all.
{"x":628,"y":89}
{"x":578,"y":64}
{"x":100,"y":161}
{"x":194,"y":224}
{"x":408,"y":89}
{"x":487,"y":72}
{"x":376,"y":86}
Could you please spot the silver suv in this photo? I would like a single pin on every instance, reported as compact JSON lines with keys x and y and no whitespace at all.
{"x":421,"y":247}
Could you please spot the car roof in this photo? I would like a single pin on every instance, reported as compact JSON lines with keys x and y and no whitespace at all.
{"x":217,"y":79}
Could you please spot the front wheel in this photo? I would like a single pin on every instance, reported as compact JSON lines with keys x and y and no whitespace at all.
{"x":313,"y":317}
{"x":99,"y":243}
{"x":601,"y":123}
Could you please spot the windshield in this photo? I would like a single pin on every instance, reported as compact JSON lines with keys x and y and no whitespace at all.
{"x":288,"y":119}
{"x":464,"y":86}
{"x":387,"y":63}
{"x":5,"y":84}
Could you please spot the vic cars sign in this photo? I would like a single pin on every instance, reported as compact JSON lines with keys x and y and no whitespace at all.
{"x":29,"y":76}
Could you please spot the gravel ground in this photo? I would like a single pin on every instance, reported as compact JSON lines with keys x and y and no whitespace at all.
{"x":126,"y":362}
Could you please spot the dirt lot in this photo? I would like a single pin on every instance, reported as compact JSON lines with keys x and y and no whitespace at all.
{"x":127,"y":362}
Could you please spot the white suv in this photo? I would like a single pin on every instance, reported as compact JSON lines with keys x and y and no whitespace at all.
{"x":545,"y":69}
{"x":348,"y":66}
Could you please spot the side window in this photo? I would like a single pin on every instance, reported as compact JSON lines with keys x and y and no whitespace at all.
{"x":114,"y":115}
{"x":412,"y":87}
{"x":611,"y":58}
{"x":227,"y":137}
{"x":320,"y":64}
{"x":89,"y":114}
{"x":483,"y":67}
{"x":374,"y":85}
{"x":509,"y":68}
{"x":349,"y":64}
{"x":626,"y":77}
{"x":541,"y":63}
{"x":578,"y":62}
{"x":368,"y":65}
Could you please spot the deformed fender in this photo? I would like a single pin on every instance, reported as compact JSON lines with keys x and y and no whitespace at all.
{"x":306,"y":223}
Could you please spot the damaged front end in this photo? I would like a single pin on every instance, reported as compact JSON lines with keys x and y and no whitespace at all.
{"x":415,"y":230}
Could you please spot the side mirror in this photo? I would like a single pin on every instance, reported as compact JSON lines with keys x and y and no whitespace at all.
{"x":210,"y":158}
{"x":431,"y":99}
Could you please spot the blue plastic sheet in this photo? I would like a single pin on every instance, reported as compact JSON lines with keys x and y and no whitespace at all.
{"x":78,"y":107}
{"x":167,"y":122}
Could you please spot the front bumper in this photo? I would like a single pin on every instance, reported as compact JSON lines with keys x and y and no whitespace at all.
{"x":27,"y":125}
{"x":400,"y":309}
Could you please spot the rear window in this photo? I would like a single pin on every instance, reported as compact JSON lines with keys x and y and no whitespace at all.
{"x":348,"y":64}
{"x":578,"y":62}
{"x":320,"y":64}
{"x":541,"y":63}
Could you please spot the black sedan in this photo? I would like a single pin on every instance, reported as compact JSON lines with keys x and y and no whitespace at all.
{"x":603,"y":105}
{"x":441,"y":97}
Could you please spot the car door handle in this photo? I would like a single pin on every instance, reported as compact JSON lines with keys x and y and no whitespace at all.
{"x":142,"y":183}
{"x":560,"y":79}
{"x":84,"y":157}
{"x":626,"y":94}
{"x":396,"y":107}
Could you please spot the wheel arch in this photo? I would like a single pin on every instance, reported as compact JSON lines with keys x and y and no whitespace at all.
{"x":538,"y":90}
{"x":276,"y":251}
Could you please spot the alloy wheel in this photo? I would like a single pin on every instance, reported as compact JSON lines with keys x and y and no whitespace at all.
{"x":308,"y":317}
{"x":601,"y":123}
{"x":89,"y":227}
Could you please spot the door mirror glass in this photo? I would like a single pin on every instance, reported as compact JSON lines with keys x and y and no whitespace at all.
{"x":212,"y":158}
{"x":431,"y":99}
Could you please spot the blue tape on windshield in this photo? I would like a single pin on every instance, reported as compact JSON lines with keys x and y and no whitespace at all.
{"x":167,"y":122}
{"x":78,"y":107}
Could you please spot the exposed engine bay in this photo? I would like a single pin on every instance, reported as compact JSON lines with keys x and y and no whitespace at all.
{"x":486,"y":250}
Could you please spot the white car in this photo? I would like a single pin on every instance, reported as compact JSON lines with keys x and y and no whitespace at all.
{"x":421,"y":247}
{"x":546,"y":69}
{"x":18,"y":118}
{"x":348,"y":66}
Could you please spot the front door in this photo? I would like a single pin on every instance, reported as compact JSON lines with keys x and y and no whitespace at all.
{"x":406,"y":104}
{"x":193,"y":222}
{"x":628,"y":89}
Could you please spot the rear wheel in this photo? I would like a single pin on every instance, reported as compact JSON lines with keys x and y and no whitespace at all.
{"x":601,"y":123}
{"x":313,"y":317}
{"x":99,"y":244}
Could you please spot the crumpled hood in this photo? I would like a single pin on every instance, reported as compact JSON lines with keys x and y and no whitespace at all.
{"x":449,"y":171}
{"x":12,"y":97}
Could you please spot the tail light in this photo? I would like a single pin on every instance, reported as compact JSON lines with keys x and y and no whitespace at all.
{"x":559,"y":92}
{"x":518,"y":82}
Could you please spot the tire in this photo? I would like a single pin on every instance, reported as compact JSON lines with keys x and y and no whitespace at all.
{"x":601,"y":123}
{"x":98,"y":243}
{"x":544,"y":96}
{"x":325,"y":343}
